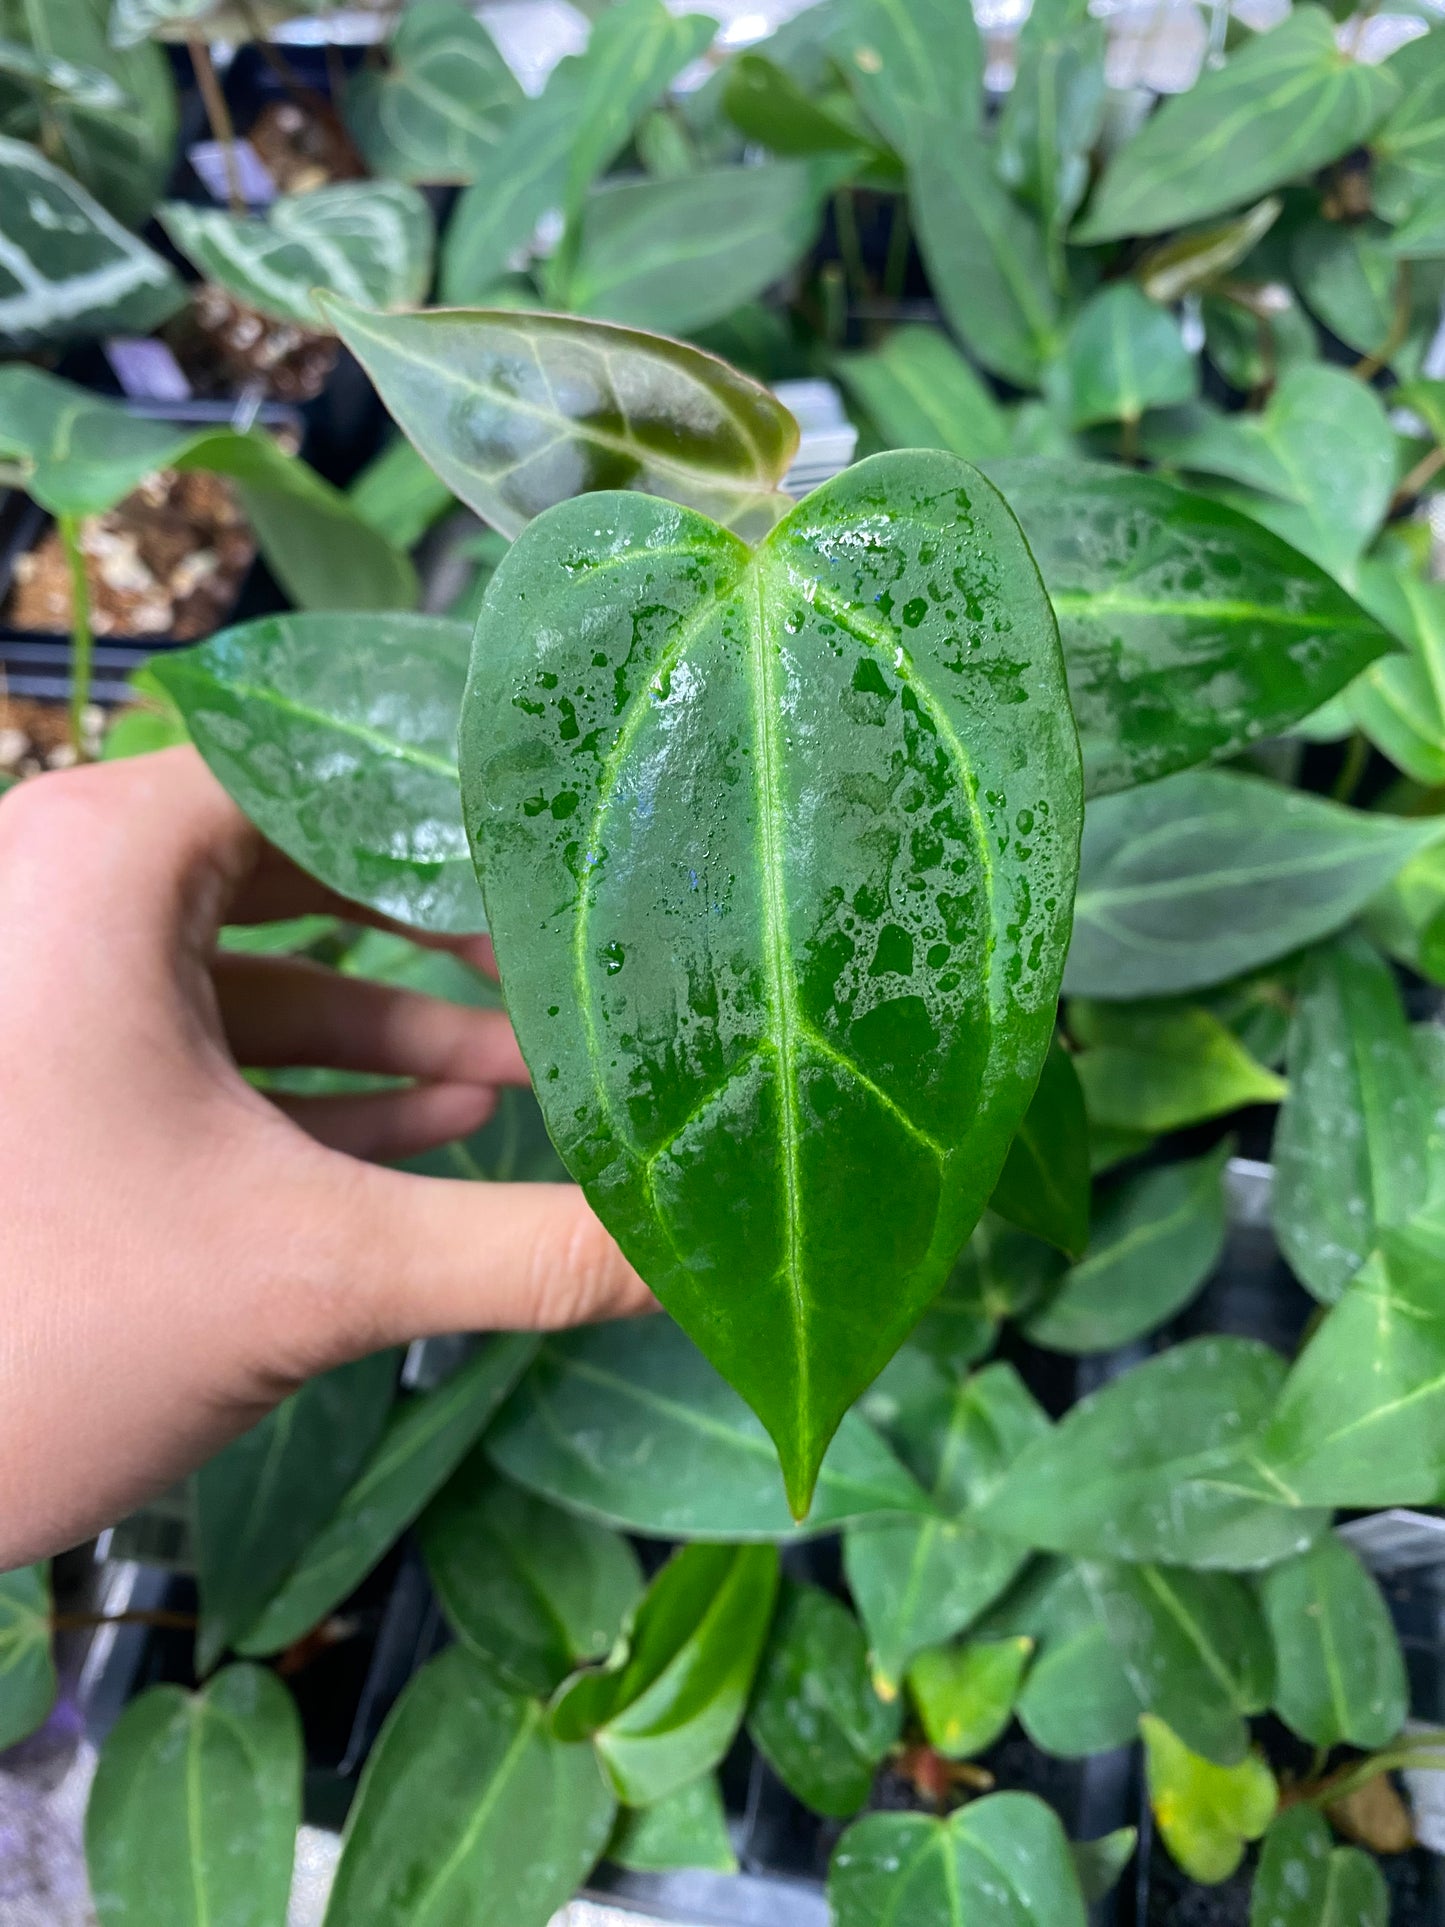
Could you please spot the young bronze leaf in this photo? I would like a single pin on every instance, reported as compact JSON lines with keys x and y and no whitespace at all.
{"x":778,"y":848}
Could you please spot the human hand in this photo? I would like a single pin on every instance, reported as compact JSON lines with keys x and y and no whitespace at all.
{"x":180,"y":1251}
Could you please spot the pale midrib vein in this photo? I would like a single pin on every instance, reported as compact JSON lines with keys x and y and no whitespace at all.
{"x":193,"y":1816}
{"x":1081,"y":602}
{"x":342,"y":726}
{"x":471,"y":1833}
{"x":1329,"y":1654}
{"x":1193,"y":1631}
{"x":1204,"y":881}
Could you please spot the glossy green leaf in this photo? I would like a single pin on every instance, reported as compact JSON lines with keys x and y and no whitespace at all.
{"x":1188,"y":630}
{"x":965,"y":1694}
{"x":27,"y":1671}
{"x":531,"y":1589}
{"x":1408,"y":149}
{"x":1054,"y":112}
{"x":920,"y":392}
{"x":666,"y":1707}
{"x":676,"y":255}
{"x":555,"y":146}
{"x":1352,"y":281}
{"x":1340,"y":1675}
{"x":468,"y":1801}
{"x":915,"y":69}
{"x":1004,"y":1858}
{"x":518,"y":412}
{"x":1204,"y":1812}
{"x":629,"y":1424}
{"x":1158,"y":1067}
{"x":1161,"y":1464}
{"x":815,"y":1716}
{"x":1044,"y":1185}
{"x":868,"y":970}
{"x":1399,"y":702}
{"x":686,"y":1829}
{"x":1359,"y":1422}
{"x":426,"y":1438}
{"x":369,"y":241}
{"x":765,"y":102}
{"x":1157,"y":1237}
{"x":443,"y":102}
{"x":1349,"y":1149}
{"x":1198,"y":879}
{"x":1304,"y":1880}
{"x":260,"y":1502}
{"x":1124,"y":355}
{"x":1077,"y":1698}
{"x":193,"y":1814}
{"x":337,"y":737}
{"x":1199,"y":258}
{"x":71,"y":271}
{"x":1283,"y":105}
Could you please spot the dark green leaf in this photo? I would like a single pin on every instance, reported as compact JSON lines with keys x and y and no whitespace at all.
{"x":337,"y":737}
{"x":1409,"y":148}
{"x":1054,"y":112}
{"x":478,"y":393}
{"x":916,"y":69}
{"x":667,"y":1706}
{"x":1422,"y":237}
{"x":27,"y":1671}
{"x":533,"y":1590}
{"x":1353,"y":282}
{"x":193,"y":1815}
{"x":844,"y":1012}
{"x":685,"y":1829}
{"x":965,"y":1694}
{"x":1198,"y":879}
{"x":1304,"y":1880}
{"x":767,"y":104}
{"x":920,"y":392}
{"x":442,"y":104}
{"x":815,"y":1715}
{"x":1124,"y":355}
{"x":259,"y":1504}
{"x":1160,"y":1465}
{"x":1158,"y":1067}
{"x":1044,"y":1184}
{"x":1283,"y":105}
{"x":1077,"y":1698}
{"x":1001,"y":1273}
{"x":467,"y":1803}
{"x":425,"y":1440}
{"x":1408,"y":918}
{"x":1340,"y":1675}
{"x":1099,"y":1863}
{"x":1188,"y":630}
{"x":1157,"y":1237}
{"x":1003,"y":1858}
{"x":1204,"y":1812}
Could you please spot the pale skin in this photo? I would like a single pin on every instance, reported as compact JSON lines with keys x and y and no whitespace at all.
{"x":179,"y":1251}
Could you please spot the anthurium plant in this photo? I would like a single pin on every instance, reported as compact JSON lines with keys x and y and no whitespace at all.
{"x":913,"y":901}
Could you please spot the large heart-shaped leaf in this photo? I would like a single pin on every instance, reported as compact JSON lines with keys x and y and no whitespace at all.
{"x":195,"y":1806}
{"x":27,"y":1671}
{"x":518,"y":412}
{"x":1188,"y":630}
{"x":443,"y":102}
{"x":1339,"y":1672}
{"x":741,"y":961}
{"x":1304,"y":1880}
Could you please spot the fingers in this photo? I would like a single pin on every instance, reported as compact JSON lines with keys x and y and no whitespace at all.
{"x":386,"y":1126}
{"x":286,"y":1010}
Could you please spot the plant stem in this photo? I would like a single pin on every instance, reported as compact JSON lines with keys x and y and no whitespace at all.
{"x":86,"y":1622}
{"x":845,"y":221}
{"x":218,"y":114}
{"x":1340,"y":1785}
{"x":900,"y":237}
{"x":1357,"y":754}
{"x":1419,"y":477}
{"x":1129,"y":441}
{"x":80,"y":633}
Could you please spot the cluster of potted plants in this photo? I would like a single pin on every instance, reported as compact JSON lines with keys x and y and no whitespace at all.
{"x":911,"y":901}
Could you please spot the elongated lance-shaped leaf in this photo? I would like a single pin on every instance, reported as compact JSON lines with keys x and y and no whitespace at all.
{"x":1339,"y":1671}
{"x":777,"y":847}
{"x":915,"y":69}
{"x":517,"y":412}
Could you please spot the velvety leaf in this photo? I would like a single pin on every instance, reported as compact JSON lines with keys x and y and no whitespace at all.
{"x":531,"y":1589}
{"x":260,"y":1502}
{"x":1099,"y":1863}
{"x":467,"y":1797}
{"x":71,"y":271}
{"x":815,"y":1716}
{"x":425,"y":1440}
{"x":1157,"y":1237}
{"x":193,"y":1814}
{"x":1199,"y":258}
{"x":27,"y":1671}
{"x":1304,"y":1880}
{"x":914,"y":70}
{"x":1349,"y":1148}
{"x":1077,"y":1698}
{"x":337,"y":737}
{"x":1054,"y":112}
{"x":965,"y":1694}
{"x":1188,"y":630}
{"x":1204,"y":1812}
{"x":839,"y":1018}
{"x":765,"y":102}
{"x":920,"y":392}
{"x":369,"y":241}
{"x":1198,"y":879}
{"x":683,"y":1830}
{"x":1158,"y":1067}
{"x":1044,"y":1185}
{"x":1282,"y":105}
{"x":1340,"y":1675}
{"x":1408,"y":149}
{"x":666,"y":1707}
{"x":1123,"y":355}
{"x":443,"y":102}
{"x":478,"y":393}
{"x":628,"y":1423}
{"x":555,"y":146}
{"x":1160,"y":1465}
{"x":1003,"y":1858}
{"x":675,"y":255}
{"x":1399,"y":702}
{"x":1359,"y":1422}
